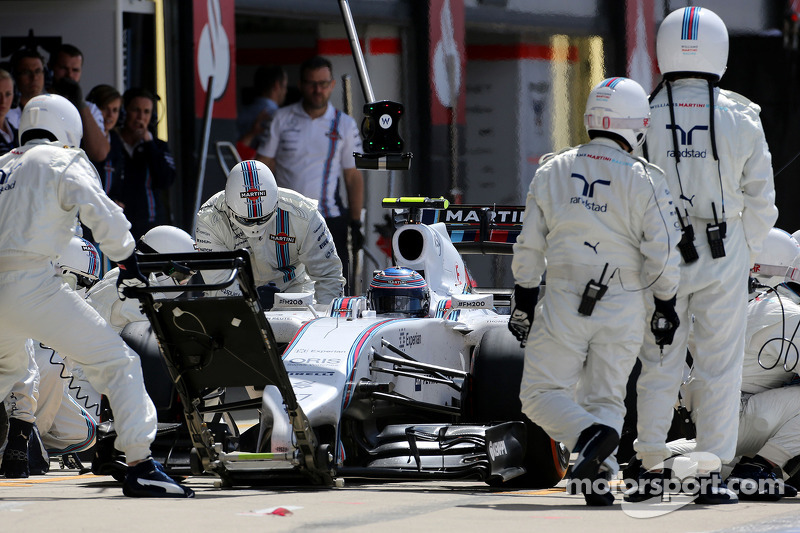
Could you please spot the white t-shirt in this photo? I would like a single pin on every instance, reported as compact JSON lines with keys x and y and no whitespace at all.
{"x":311,"y":153}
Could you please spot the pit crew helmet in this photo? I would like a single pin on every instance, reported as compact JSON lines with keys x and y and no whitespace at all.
{"x":778,"y":252}
{"x":79,"y":265}
{"x":168,"y":240}
{"x":692,"y":40}
{"x":251,"y":195}
{"x":618,"y":106}
{"x":399,"y":291}
{"x":55,"y":116}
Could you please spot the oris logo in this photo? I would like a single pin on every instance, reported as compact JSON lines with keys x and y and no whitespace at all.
{"x":497,"y":449}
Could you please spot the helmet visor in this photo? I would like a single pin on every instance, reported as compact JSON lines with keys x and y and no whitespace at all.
{"x":252,"y":222}
{"x":396,"y":303}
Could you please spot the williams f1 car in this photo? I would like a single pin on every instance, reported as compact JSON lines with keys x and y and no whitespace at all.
{"x":342,"y":391}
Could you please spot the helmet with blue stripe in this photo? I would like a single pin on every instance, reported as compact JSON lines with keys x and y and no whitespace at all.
{"x":251,"y":195}
{"x":692,"y":40}
{"x":399,"y":291}
{"x":618,"y":107}
{"x":79,"y":265}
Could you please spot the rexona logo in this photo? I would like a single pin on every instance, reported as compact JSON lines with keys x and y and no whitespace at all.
{"x":497,"y":449}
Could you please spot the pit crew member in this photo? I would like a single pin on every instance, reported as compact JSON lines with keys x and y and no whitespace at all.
{"x":284,"y":232}
{"x":602,"y":222}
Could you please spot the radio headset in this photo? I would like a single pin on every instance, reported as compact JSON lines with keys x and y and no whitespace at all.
{"x":789,"y":343}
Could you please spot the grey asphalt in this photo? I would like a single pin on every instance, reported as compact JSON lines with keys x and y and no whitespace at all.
{"x":65,"y":501}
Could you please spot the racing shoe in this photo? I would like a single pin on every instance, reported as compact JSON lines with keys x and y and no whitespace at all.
{"x":713,"y":491}
{"x":148,"y":480}
{"x":754,"y":479}
{"x":649,"y":484}
{"x":595,"y":443}
{"x":15,"y":457}
{"x":600,"y":493}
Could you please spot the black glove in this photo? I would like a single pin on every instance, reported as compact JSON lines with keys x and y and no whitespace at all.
{"x":266,"y":295}
{"x":522,"y":307}
{"x":665,"y":321}
{"x":129,"y":276}
{"x":356,"y":237}
{"x":70,"y":90}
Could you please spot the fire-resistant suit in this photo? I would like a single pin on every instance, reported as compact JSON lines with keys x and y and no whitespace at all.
{"x":588,"y":207}
{"x":296,"y":252}
{"x":42,"y":188}
{"x":713,"y":291}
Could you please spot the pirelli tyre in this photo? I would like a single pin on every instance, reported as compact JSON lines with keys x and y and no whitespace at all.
{"x":492,"y":395}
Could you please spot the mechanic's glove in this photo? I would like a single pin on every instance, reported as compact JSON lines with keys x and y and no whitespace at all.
{"x":129,"y":276}
{"x":266,"y":295}
{"x":356,"y":237}
{"x":70,"y":90}
{"x":664,"y":321}
{"x":522,"y":307}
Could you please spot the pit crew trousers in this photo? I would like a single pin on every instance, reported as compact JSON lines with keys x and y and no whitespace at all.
{"x":565,"y":348}
{"x":36,"y":304}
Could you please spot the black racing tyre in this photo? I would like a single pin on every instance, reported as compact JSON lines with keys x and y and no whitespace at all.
{"x":493,"y":396}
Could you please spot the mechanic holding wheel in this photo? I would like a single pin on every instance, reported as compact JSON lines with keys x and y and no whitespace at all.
{"x":603,"y":223}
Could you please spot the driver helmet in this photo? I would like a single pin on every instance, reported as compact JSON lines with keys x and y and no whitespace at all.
{"x":399,"y":291}
{"x":168,"y":240}
{"x":79,"y":265}
{"x":52,"y":117}
{"x":251,"y":195}
{"x":777,"y":255}
{"x":618,"y":107}
{"x":692,"y":40}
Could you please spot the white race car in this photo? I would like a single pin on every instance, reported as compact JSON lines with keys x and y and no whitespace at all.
{"x":346,"y":390}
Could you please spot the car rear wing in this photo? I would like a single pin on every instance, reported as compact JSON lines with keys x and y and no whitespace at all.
{"x":473,"y":228}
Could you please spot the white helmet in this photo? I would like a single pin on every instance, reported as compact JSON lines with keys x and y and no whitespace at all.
{"x":796,"y":235}
{"x":252,"y":196}
{"x":777,"y":254}
{"x":692,"y":39}
{"x":79,"y":265}
{"x":168,"y":240}
{"x":54,"y":114}
{"x":619,"y":106}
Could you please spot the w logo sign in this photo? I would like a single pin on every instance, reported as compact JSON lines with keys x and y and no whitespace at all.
{"x":385,"y":121}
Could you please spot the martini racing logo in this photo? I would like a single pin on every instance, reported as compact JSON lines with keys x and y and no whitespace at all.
{"x":282,"y":238}
{"x":588,"y":192}
{"x":251,"y":193}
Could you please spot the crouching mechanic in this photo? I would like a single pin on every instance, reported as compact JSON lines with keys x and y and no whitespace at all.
{"x":44,"y":184}
{"x":104,"y":296}
{"x":44,"y":418}
{"x":284,"y":232}
{"x":602,"y":222}
{"x":769,"y":415}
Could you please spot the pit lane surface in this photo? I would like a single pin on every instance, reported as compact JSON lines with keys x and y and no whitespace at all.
{"x":68,"y":502}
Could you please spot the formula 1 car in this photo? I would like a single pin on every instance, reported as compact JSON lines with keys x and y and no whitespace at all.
{"x":345,"y":392}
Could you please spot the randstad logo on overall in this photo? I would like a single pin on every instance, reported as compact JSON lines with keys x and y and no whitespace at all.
{"x":588,"y":192}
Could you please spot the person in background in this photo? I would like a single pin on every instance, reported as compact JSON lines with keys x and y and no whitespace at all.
{"x":8,"y":133}
{"x":109,"y":101}
{"x":310,"y":149}
{"x":271,"y":84}
{"x":66,"y":63}
{"x":148,"y":169}
{"x":27,"y":68}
